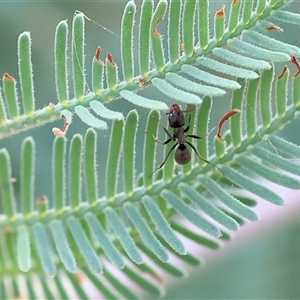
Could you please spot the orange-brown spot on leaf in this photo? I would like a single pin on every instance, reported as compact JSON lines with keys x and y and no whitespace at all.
{"x":98,"y":53}
{"x":274,"y":27}
{"x":7,"y":76}
{"x":161,"y":280}
{"x":6,"y":231}
{"x":110,"y":59}
{"x":155,"y":31}
{"x":142,"y":81}
{"x":225,"y":118}
{"x":235,"y":2}
{"x":221,"y":12}
{"x":182,"y":47}
{"x":283,"y":72}
{"x":296,"y":62}
{"x":50,"y":106}
{"x":79,"y":278}
{"x":42,"y":200}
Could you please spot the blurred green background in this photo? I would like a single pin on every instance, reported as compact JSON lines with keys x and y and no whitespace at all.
{"x":261,"y":264}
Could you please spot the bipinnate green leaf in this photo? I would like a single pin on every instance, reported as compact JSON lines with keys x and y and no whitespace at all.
{"x":142,"y":101}
{"x":188,"y":23}
{"x":127,"y":40}
{"x":136,"y":226}
{"x":234,"y":15}
{"x":104,"y":112}
{"x":276,"y":160}
{"x":78,"y":59}
{"x":75,"y":170}
{"x":86,"y":117}
{"x":219,"y":23}
{"x":190,"y":214}
{"x":192,"y":86}
{"x":272,"y":44}
{"x":86,"y":249}
{"x":6,"y":185}
{"x":156,"y":38}
{"x":59,"y":172}
{"x":25,"y":73}
{"x":97,"y":72}
{"x":227,"y":199}
{"x":62,"y":245}
{"x":11,"y":96}
{"x":175,"y":93}
{"x":44,"y":249}
{"x":27,"y":175}
{"x":143,"y":283}
{"x":209,"y":78}
{"x":60,"y":61}
{"x":252,"y":186}
{"x":106,"y":244}
{"x":144,"y":37}
{"x":101,"y":286}
{"x":162,"y":225}
{"x":145,"y":232}
{"x":208,"y":208}
{"x":23,"y":248}
{"x":174,"y":31}
{"x":89,"y":166}
{"x":166,"y":266}
{"x":113,"y":159}
{"x":125,"y":239}
{"x":129,"y":146}
{"x":226,"y":68}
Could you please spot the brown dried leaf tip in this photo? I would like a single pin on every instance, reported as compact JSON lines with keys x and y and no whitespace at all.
{"x":97,"y":55}
{"x":220,"y":13}
{"x":274,"y":27}
{"x":235,"y":2}
{"x":42,"y":200}
{"x":296,"y":63}
{"x":225,"y":118}
{"x":110,"y":59}
{"x":61,"y":132}
{"x":283,"y":72}
{"x":7,"y":76}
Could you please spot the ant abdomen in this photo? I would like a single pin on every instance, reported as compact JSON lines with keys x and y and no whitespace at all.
{"x":182,"y":155}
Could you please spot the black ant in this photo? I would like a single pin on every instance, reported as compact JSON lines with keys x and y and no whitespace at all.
{"x":182,"y":153}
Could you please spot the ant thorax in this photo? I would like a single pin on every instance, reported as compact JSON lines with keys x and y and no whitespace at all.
{"x":178,"y":134}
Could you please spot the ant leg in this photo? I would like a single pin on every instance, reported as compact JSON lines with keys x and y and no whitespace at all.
{"x":203,"y":159}
{"x":167,"y":132}
{"x":199,"y":137}
{"x":167,"y":156}
{"x":164,"y":128}
{"x":194,"y":136}
{"x":164,"y":143}
{"x":167,"y":141}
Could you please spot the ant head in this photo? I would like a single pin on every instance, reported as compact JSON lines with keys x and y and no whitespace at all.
{"x":182,"y":155}
{"x":176,"y":117}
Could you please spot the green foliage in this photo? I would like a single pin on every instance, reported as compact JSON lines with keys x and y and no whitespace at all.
{"x":88,"y":229}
